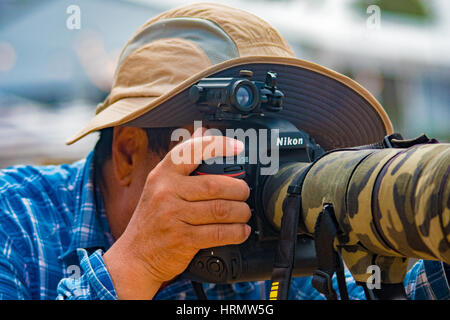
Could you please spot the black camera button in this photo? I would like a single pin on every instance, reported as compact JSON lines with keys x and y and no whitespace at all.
{"x":233,"y":168}
{"x":200,"y":264}
{"x":215,"y":266}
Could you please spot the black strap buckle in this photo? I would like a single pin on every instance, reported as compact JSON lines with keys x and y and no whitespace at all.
{"x":322,"y":282}
{"x":396,"y":140}
{"x":387,"y":141}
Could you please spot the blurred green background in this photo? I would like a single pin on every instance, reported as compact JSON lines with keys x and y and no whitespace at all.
{"x":52,"y":77}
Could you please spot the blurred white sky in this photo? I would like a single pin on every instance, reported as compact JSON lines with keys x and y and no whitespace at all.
{"x":334,"y":26}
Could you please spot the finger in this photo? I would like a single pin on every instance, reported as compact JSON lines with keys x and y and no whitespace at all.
{"x":216,"y":235}
{"x":209,"y":187}
{"x":185,"y":157}
{"x":199,"y":132}
{"x":216,"y":211}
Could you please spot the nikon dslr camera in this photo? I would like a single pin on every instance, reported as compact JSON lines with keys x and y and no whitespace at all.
{"x":236,"y":107}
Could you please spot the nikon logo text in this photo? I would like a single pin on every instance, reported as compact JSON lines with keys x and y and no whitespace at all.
{"x":289,"y":141}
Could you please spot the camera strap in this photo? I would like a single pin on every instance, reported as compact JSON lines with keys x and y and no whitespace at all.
{"x":396,"y":140}
{"x":329,"y":260}
{"x":285,"y":254}
{"x":198,"y":290}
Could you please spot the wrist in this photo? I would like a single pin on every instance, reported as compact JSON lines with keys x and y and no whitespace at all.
{"x":130,"y":277}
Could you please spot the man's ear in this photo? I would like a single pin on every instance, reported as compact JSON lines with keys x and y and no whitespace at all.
{"x":129,"y":150}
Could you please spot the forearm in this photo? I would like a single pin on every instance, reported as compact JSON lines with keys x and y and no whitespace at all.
{"x":128,"y":276}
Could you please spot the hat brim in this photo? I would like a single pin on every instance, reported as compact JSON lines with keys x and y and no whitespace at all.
{"x":335,"y":110}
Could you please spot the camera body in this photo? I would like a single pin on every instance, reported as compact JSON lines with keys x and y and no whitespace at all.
{"x":253,"y":259}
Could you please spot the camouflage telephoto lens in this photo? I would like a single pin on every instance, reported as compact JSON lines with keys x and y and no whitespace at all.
{"x":391,"y":204}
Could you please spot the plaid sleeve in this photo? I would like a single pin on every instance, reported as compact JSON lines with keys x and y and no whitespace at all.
{"x":427,"y":281}
{"x":12,"y":275}
{"x":94,"y":284}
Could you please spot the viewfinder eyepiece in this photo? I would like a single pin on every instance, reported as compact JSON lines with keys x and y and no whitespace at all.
{"x":225,"y":98}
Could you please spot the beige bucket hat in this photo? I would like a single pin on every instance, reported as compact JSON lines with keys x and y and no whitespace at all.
{"x":178,"y":48}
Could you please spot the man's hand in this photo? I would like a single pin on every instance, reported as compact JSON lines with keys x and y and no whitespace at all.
{"x":177,"y":215}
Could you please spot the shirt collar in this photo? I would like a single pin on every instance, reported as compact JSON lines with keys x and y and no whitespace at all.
{"x":90,"y":229}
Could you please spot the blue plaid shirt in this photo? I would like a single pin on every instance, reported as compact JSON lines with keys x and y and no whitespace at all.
{"x":53,"y":232}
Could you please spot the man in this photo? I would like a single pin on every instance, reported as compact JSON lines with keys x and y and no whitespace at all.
{"x":126,"y":221}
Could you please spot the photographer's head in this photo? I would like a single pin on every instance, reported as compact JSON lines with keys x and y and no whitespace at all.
{"x":160,"y":59}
